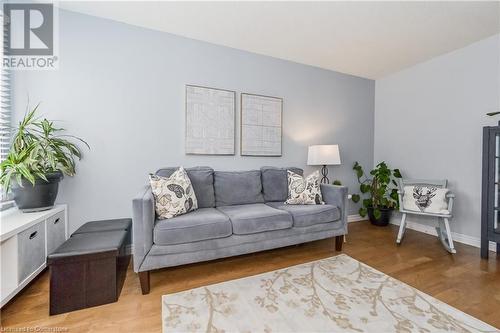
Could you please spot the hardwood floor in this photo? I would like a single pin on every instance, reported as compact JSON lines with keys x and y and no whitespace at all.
{"x":462,"y":280}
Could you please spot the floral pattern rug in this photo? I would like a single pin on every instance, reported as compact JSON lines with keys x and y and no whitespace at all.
{"x":336,"y":294}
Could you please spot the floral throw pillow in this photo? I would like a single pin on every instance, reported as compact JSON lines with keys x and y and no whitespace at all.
{"x":304,"y":191}
{"x":173,"y":195}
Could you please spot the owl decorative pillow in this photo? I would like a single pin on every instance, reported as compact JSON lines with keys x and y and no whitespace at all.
{"x":304,"y":191}
{"x":173,"y":195}
{"x":426,"y":199}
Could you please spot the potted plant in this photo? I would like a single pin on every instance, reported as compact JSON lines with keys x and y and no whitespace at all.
{"x":39,"y":156}
{"x":380,"y":192}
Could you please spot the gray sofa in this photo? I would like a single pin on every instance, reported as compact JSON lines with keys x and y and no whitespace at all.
{"x":239,"y":212}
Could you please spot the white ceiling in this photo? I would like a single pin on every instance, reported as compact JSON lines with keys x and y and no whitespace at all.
{"x":367,"y":39}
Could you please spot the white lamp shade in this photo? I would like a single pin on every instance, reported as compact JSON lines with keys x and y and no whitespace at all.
{"x":323,"y":155}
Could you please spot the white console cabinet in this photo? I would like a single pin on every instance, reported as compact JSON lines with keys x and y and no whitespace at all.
{"x":25,"y":241}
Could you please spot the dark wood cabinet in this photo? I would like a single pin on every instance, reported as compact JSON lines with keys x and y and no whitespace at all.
{"x":490,"y":201}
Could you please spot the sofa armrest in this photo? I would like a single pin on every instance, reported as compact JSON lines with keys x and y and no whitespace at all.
{"x":336,"y":196}
{"x":142,"y":224}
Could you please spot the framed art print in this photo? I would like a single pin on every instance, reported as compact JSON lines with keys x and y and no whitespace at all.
{"x":210,"y":121}
{"x":261,"y":125}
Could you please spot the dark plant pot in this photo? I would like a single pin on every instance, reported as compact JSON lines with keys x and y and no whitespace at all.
{"x":384,"y":217}
{"x":38,"y":197}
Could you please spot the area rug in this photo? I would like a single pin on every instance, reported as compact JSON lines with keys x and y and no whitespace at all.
{"x":336,"y":294}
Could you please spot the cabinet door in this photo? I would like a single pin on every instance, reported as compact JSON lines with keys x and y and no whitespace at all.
{"x":495,"y":176}
{"x":9,"y":280}
{"x":31,"y":245}
{"x":490,"y":203}
{"x":56,"y":231}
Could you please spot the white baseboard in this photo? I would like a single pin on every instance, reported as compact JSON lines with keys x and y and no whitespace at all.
{"x":431,"y":230}
{"x":355,"y":218}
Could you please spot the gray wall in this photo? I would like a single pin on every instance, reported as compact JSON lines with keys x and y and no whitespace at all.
{"x":121,"y":88}
{"x":429,"y":119}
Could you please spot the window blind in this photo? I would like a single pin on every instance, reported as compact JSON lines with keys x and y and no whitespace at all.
{"x":5,"y":114}
{"x":5,"y":126}
{"x":5,"y":100}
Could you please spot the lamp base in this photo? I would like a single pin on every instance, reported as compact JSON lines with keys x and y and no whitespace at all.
{"x":324,"y":173}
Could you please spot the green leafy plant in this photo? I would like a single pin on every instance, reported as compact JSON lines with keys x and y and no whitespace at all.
{"x":38,"y":148}
{"x":379,"y":191}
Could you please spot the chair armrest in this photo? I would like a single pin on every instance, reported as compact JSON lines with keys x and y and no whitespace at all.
{"x":450,"y":196}
{"x":401,"y":194}
{"x":143,"y":220}
{"x":336,"y":196}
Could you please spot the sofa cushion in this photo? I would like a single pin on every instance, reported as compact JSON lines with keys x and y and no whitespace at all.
{"x":254,"y":218}
{"x":307,"y":215}
{"x":202,"y":179}
{"x":275,"y":182}
{"x":237,"y":187}
{"x":201,"y":224}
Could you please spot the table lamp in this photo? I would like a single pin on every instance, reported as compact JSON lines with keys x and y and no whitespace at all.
{"x":323,"y":155}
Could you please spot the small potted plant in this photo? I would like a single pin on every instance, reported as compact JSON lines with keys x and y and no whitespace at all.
{"x":380,"y":193}
{"x":39,"y":156}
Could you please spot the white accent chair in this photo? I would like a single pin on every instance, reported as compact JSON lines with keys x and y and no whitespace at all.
{"x":443,"y":228}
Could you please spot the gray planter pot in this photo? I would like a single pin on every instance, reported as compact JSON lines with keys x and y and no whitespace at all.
{"x":38,"y":197}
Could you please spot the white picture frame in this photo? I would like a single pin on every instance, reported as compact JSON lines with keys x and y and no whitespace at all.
{"x":261,"y":125}
{"x":210,"y":121}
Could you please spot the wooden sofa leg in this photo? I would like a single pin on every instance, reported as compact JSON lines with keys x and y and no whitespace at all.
{"x":339,"y":240}
{"x":144,"y":279}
